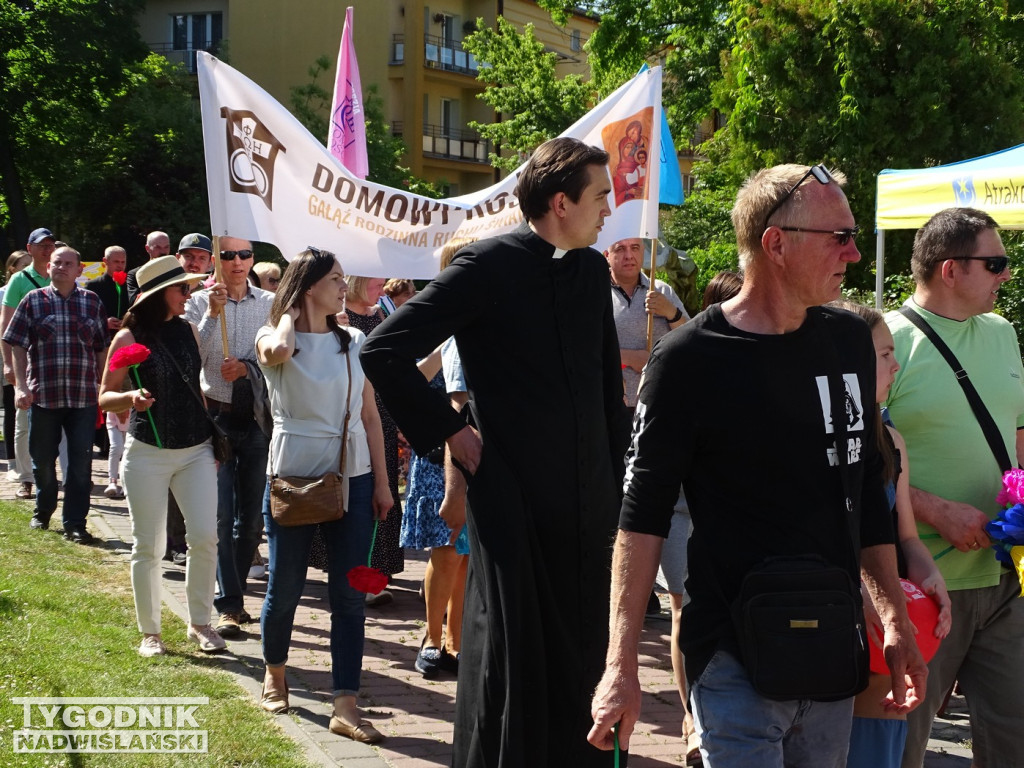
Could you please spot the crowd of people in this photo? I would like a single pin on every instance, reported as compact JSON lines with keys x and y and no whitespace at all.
{"x":574,"y":432}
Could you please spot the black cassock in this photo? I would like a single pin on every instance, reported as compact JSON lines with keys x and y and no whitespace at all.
{"x":541,"y":358}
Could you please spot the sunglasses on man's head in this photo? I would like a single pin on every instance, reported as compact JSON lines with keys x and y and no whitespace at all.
{"x":820,"y":174}
{"x":994,"y":264}
{"x":843,"y":236}
{"x":232,"y":255}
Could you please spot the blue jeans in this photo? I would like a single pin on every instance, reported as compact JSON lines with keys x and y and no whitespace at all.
{"x":44,"y":431}
{"x":240,"y":486}
{"x":348,"y":545}
{"x":739,"y":727}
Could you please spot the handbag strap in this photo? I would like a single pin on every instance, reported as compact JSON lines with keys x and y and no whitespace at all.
{"x":981,"y":413}
{"x":184,"y":377}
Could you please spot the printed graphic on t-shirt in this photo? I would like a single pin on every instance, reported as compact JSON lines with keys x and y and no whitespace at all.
{"x":853,"y":414}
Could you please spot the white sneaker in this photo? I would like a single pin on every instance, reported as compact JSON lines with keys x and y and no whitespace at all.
{"x":381,"y":598}
{"x":206,"y":638}
{"x":152,"y":645}
{"x":112,"y":491}
{"x":258,"y":572}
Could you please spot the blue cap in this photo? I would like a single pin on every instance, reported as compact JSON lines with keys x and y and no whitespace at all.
{"x":38,"y":235}
{"x":195,"y":240}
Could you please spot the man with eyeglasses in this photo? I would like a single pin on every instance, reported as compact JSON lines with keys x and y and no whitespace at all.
{"x":959,"y":265}
{"x":736,"y":406}
{"x":234,"y":389}
{"x":58,"y":337}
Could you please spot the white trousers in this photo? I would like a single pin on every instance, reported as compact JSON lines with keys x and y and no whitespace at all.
{"x":191,"y":474}
{"x":24,"y":466}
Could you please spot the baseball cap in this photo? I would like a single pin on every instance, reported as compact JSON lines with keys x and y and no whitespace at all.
{"x":195,"y":240}
{"x":38,"y":235}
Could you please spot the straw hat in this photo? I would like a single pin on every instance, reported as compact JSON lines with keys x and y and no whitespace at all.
{"x":157,"y":274}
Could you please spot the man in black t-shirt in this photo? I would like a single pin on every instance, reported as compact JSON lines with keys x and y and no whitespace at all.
{"x":751,"y":439}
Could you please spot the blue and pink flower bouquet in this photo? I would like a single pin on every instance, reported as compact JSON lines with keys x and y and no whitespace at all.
{"x":1007,"y":530}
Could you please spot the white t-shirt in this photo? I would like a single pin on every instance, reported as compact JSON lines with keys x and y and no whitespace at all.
{"x":307,"y":400}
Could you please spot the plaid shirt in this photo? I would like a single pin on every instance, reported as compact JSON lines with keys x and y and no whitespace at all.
{"x":63,"y":338}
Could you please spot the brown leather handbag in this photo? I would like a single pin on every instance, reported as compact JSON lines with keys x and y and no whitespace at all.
{"x":311,"y":500}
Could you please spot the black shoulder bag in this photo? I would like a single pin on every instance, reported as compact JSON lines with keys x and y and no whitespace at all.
{"x":981,"y":413}
{"x":799,"y":619}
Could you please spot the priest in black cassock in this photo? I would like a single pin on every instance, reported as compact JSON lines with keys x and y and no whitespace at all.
{"x":544,"y":440}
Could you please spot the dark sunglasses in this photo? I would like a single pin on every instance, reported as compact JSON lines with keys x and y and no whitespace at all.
{"x":843,"y":236}
{"x":186,"y":289}
{"x":994,"y":264}
{"x":820,"y":174}
{"x":232,"y":255}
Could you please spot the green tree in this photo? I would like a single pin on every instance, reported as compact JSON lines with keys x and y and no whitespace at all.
{"x":311,"y":105}
{"x":534,"y":103}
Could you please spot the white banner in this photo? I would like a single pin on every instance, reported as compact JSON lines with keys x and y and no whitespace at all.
{"x":270,"y":180}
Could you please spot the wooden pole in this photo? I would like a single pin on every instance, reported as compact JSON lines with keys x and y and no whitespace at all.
{"x":219,"y":278}
{"x":650,"y":287}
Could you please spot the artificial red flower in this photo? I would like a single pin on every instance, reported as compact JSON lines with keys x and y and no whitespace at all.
{"x":133,"y":354}
{"x":119,"y":277}
{"x":367,"y":579}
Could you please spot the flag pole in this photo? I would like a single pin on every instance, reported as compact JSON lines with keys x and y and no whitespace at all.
{"x":650,"y":287}
{"x":218,"y":278}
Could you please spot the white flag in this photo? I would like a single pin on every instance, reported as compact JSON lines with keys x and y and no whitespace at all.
{"x":270,"y":180}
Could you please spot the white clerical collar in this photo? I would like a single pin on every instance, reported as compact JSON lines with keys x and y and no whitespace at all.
{"x":559,"y":253}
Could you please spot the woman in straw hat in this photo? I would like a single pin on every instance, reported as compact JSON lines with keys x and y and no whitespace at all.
{"x":168,"y":447}
{"x":314,"y":379}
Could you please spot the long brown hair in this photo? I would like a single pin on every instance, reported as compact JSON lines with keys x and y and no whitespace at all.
{"x":303,"y":272}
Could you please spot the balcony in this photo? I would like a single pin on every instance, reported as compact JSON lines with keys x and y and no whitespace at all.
{"x":186,"y":56}
{"x":438,"y":53}
{"x":450,"y":143}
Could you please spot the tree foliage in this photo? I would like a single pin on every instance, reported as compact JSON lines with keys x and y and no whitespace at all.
{"x":99,"y":139}
{"x":522,"y":86}
{"x":311,"y":105}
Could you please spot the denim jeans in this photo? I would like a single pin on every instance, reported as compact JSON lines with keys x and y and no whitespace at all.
{"x":44,"y":435}
{"x":739,"y":727}
{"x":240,"y":486}
{"x":348,"y":545}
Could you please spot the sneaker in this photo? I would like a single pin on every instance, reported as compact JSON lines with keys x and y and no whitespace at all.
{"x":113,"y":491}
{"x":381,"y":598}
{"x":25,"y":492}
{"x":41,"y":522}
{"x":257,"y":572}
{"x":428,"y":662}
{"x":206,"y":638}
{"x":152,"y":645}
{"x":229,"y":625}
{"x":178,"y":558}
{"x":79,"y":535}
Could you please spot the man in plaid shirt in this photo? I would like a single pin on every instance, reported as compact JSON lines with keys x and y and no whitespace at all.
{"x":58,"y":337}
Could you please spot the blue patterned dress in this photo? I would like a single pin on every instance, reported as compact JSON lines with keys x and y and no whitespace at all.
{"x":422,"y":525}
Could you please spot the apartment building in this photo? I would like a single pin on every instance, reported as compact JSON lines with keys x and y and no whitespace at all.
{"x":412,"y":52}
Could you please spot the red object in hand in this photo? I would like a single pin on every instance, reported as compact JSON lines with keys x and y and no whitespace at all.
{"x":133,"y":354}
{"x":367,"y":579}
{"x":119,"y":277}
{"x":924,"y":614}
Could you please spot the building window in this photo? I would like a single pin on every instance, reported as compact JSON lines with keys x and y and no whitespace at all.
{"x":574,"y":42}
{"x":191,"y":32}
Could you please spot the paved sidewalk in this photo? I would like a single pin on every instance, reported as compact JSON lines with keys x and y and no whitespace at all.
{"x":415,"y":714}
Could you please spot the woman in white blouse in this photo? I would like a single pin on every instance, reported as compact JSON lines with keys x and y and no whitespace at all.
{"x":313,"y":375}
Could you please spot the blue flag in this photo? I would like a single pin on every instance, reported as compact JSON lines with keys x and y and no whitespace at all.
{"x":670,"y":187}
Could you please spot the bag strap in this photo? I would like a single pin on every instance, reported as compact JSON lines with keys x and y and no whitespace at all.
{"x":981,"y":413}
{"x":184,"y":377}
{"x":30,"y":278}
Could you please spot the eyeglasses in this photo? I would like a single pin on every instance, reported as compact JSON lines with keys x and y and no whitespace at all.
{"x":994,"y":264}
{"x":843,"y":236}
{"x":820,"y":174}
{"x":273,"y":281}
{"x":319,"y":252}
{"x":232,"y":255}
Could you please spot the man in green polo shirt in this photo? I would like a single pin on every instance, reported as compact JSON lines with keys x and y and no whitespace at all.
{"x":40,"y":245}
{"x":959,"y":264}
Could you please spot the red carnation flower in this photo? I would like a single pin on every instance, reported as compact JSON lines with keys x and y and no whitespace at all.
{"x":367,"y":579}
{"x":119,"y":277}
{"x":133,"y":354}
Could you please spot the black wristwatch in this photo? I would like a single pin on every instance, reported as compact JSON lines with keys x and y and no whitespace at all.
{"x":676,"y":317}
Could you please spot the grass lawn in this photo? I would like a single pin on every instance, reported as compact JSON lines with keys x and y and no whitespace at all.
{"x":67,"y":628}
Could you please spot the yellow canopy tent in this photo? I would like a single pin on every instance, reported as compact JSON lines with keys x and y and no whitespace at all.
{"x":906,"y":199}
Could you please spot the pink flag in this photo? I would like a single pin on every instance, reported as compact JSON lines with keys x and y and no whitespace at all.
{"x":347,"y":133}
